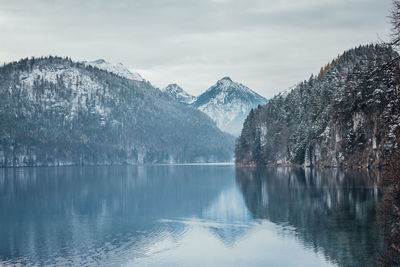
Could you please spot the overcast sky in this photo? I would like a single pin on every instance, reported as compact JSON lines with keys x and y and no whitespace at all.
{"x":267,"y":45}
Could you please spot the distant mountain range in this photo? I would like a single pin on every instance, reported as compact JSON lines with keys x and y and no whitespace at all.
{"x":55,"y":111}
{"x":226,"y":102}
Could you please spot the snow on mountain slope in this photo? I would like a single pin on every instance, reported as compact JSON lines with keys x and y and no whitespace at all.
{"x":228,"y":104}
{"x":180,"y":95}
{"x":55,"y":111}
{"x":80,"y":83}
{"x":118,"y":69}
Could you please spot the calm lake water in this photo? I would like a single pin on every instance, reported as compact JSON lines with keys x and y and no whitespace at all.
{"x":187,"y":216}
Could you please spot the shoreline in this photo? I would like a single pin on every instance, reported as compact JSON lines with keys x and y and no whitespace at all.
{"x":129,"y":164}
{"x":293,"y":165}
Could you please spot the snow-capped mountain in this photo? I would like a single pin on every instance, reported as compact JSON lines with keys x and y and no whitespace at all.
{"x":180,"y":95}
{"x":228,"y":103}
{"x":118,"y":69}
{"x":55,"y":111}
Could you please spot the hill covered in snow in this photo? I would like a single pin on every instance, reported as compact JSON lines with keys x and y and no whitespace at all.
{"x":55,"y":111}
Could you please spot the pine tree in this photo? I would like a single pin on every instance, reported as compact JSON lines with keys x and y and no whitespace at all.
{"x":258,"y":155}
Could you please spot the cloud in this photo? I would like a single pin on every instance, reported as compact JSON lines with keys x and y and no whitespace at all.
{"x":267,"y":45}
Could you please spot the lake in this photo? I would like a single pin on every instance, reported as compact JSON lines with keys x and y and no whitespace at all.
{"x":188,"y":215}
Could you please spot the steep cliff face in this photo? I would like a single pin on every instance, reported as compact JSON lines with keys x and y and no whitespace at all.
{"x":349,"y":115}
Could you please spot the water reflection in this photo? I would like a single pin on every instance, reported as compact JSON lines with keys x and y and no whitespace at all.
{"x":331,"y":212}
{"x":389,"y":213}
{"x":186,"y":215}
{"x":89,"y":214}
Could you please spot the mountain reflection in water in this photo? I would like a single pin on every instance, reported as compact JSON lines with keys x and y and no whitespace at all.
{"x":187,"y":215}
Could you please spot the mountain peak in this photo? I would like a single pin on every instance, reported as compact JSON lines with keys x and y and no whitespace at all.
{"x":228,"y":104}
{"x":226,"y":78}
{"x":118,"y":69}
{"x":225,"y":81}
{"x":172,"y":86}
{"x":176,"y":92}
{"x":99,"y":61}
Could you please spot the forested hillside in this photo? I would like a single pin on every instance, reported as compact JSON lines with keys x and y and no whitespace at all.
{"x":54,"y":111}
{"x":348,"y":115}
